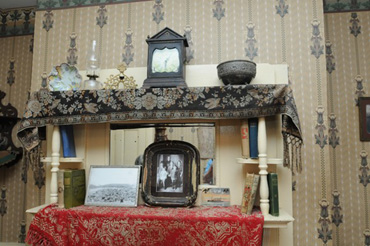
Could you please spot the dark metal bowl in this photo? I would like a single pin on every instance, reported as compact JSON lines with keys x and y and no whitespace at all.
{"x":236,"y":72}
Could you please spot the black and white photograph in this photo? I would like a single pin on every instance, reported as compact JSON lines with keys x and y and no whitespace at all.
{"x":170,"y":173}
{"x":113,"y":186}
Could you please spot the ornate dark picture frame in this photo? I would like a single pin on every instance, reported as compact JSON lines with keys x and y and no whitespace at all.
{"x":170,"y":173}
{"x":364,"y":118}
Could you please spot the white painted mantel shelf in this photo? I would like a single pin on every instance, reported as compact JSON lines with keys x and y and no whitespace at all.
{"x":63,"y":160}
{"x":198,"y":75}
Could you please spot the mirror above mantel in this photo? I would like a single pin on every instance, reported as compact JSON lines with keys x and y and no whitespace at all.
{"x":129,"y":141}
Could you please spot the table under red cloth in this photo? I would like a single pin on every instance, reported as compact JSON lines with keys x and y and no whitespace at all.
{"x":89,"y":225}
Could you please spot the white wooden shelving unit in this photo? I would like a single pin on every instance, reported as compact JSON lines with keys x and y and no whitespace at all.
{"x":277,"y":229}
{"x":284,"y":218}
{"x":92,"y":143}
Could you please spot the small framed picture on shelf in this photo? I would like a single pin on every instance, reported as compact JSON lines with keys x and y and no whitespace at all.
{"x":364,"y":109}
{"x":171,"y":174}
{"x":113,"y":186}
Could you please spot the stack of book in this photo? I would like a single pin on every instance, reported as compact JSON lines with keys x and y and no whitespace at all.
{"x":249,"y":136}
{"x":249,"y":193}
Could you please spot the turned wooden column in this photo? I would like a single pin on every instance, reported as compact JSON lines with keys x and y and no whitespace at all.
{"x":55,"y":148}
{"x":262,"y":157}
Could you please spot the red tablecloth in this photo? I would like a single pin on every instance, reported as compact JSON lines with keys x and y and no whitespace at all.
{"x":85,"y":225}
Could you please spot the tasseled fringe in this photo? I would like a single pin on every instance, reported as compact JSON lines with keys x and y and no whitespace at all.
{"x":34,"y":238}
{"x":292,"y":152}
{"x":38,"y":168}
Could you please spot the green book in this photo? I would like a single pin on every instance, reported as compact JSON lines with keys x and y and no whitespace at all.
{"x":272,"y":179}
{"x":74,"y":187}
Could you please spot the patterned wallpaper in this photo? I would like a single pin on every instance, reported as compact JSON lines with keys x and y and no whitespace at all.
{"x":330,"y":196}
{"x":16,"y":69}
{"x":16,"y":22}
{"x":346,"y":5}
{"x":17,"y":190}
{"x":347,"y":52}
{"x":329,"y":5}
{"x":54,"y":4}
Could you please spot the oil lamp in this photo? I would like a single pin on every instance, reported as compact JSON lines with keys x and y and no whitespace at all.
{"x":92,"y":68}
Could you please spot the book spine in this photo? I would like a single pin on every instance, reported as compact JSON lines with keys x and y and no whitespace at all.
{"x":67,"y":189}
{"x":256,"y":179}
{"x":60,"y":181}
{"x":78,"y":188}
{"x":273,"y":193}
{"x":244,"y":131}
{"x":253,"y":137}
{"x":74,"y":188}
{"x":247,"y":192}
{"x":68,"y":142}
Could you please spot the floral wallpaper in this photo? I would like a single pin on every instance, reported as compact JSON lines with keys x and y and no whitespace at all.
{"x":328,"y":62}
{"x":16,"y":22}
{"x":17,"y":189}
{"x":345,"y":5}
{"x":55,"y":4}
{"x":329,"y":5}
{"x":347,"y":55}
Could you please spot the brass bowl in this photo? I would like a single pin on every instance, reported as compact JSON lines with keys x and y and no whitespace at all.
{"x":236,"y":72}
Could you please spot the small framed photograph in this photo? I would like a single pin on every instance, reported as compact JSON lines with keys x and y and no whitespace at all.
{"x":364,"y":109}
{"x":171,"y":173}
{"x":113,"y":186}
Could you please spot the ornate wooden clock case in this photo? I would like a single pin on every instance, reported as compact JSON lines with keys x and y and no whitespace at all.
{"x":166,"y":60}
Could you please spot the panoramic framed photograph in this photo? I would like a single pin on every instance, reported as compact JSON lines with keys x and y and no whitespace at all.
{"x":364,"y":109}
{"x":113,"y":186}
{"x":171,"y":173}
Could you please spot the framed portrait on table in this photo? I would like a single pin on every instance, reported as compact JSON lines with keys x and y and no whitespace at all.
{"x":170,"y":173}
{"x":113,"y":186}
{"x":364,"y":116}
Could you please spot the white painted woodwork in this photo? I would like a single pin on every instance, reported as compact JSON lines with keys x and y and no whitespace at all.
{"x":262,"y":157}
{"x":93,"y":149}
{"x":126,"y":145}
{"x":63,"y":160}
{"x":97,"y":146}
{"x":71,"y":162}
{"x":54,"y":164}
{"x":285,"y":203}
{"x":229,"y":146}
{"x":272,"y":161}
